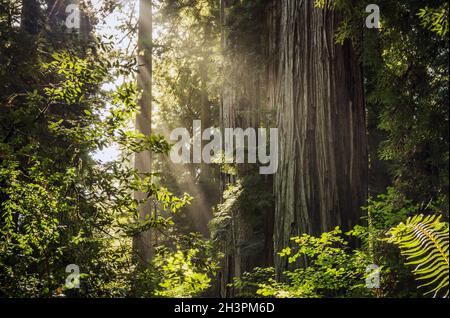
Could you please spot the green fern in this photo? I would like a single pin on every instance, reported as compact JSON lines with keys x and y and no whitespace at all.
{"x":424,"y":241}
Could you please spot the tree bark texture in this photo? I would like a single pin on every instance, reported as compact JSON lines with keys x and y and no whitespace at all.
{"x":143,"y":242}
{"x":316,"y":87}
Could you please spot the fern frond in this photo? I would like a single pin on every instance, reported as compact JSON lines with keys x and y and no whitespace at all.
{"x":424,"y":241}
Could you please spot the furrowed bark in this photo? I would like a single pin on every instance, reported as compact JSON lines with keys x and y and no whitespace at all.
{"x":316,"y":87}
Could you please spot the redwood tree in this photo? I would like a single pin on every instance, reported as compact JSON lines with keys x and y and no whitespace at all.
{"x":316,"y":88}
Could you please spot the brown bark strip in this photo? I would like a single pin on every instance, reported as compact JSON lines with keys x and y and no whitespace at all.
{"x":316,"y":87}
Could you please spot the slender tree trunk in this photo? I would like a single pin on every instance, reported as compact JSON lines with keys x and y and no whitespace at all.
{"x":316,"y":87}
{"x":30,"y":16}
{"x":143,"y":242}
{"x":249,"y":243}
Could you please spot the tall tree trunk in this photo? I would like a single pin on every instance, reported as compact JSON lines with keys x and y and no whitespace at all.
{"x":143,"y":242}
{"x":316,"y":87}
{"x":30,"y":16}
{"x":249,"y":243}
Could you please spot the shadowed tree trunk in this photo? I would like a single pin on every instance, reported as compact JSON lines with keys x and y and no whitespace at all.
{"x":143,"y":242}
{"x":249,"y":243}
{"x":30,"y":16}
{"x":316,"y":87}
